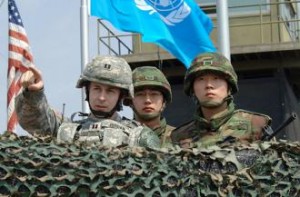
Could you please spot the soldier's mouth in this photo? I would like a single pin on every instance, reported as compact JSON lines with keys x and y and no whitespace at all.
{"x":148,"y":109}
{"x":209,"y":94}
{"x":101,"y":107}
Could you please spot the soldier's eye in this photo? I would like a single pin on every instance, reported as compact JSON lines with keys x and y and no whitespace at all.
{"x":139,"y":94}
{"x":199,"y":79}
{"x":155,"y":94}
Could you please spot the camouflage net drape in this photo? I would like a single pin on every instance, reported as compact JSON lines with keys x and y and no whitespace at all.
{"x":31,"y":167}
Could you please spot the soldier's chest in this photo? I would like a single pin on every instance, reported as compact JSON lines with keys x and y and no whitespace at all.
{"x":237,"y":128}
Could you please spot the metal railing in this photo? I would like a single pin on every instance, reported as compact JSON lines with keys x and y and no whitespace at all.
{"x":114,"y":43}
{"x":280,"y":23}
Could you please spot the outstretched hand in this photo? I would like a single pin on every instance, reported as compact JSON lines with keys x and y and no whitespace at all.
{"x":32,"y":79}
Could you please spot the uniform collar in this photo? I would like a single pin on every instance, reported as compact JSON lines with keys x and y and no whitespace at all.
{"x":162,"y":127}
{"x":216,"y":121}
{"x":116,"y":117}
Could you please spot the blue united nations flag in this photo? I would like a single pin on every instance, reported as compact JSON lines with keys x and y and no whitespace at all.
{"x":178,"y":26}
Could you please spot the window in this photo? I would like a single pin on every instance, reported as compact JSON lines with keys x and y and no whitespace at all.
{"x":237,"y":7}
{"x":289,"y":15}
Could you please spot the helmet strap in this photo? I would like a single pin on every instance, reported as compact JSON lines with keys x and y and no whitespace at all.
{"x":101,"y":114}
{"x":227,"y":99}
{"x":145,"y":117}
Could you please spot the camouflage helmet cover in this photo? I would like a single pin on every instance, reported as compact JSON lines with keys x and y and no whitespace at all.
{"x":214,"y":62}
{"x":152,"y":76}
{"x":108,"y":70}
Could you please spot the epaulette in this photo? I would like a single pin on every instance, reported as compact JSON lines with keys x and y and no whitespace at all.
{"x":257,"y":119}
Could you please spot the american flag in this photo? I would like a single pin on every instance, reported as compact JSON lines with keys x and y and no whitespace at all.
{"x":19,"y":58}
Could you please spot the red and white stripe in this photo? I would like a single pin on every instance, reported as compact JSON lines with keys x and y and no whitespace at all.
{"x":20,"y":58}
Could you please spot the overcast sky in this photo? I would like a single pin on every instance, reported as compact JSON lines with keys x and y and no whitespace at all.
{"x":53,"y":30}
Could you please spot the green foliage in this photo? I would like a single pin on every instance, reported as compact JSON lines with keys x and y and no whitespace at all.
{"x":39,"y":167}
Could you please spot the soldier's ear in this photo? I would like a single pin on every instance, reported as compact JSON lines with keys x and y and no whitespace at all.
{"x":163,"y":106}
{"x":194,"y":99}
{"x":87,"y":93}
{"x":229,"y":91}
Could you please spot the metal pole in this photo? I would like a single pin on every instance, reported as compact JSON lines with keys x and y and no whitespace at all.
{"x":223,"y":28}
{"x":84,"y":45}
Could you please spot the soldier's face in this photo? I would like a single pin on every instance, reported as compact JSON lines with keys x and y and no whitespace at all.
{"x":210,"y":88}
{"x":103,"y":97}
{"x":148,"y":103}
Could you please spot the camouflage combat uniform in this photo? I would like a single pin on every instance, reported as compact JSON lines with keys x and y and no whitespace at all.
{"x":164,"y":133}
{"x":149,"y":76}
{"x":230,"y":125}
{"x":36,"y":116}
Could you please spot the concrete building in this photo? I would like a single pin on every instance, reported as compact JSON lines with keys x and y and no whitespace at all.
{"x":265,"y":52}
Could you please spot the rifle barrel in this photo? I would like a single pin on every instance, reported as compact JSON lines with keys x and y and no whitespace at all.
{"x":292,"y":117}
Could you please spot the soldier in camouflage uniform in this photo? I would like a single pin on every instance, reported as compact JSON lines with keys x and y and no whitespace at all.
{"x":107,"y":81}
{"x":211,"y":81}
{"x":152,"y":92}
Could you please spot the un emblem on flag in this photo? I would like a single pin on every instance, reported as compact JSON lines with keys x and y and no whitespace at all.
{"x":170,"y":11}
{"x":165,"y":5}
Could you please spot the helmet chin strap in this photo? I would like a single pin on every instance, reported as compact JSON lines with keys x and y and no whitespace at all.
{"x":145,"y":117}
{"x":148,"y":117}
{"x":102,"y":114}
{"x":209,"y":104}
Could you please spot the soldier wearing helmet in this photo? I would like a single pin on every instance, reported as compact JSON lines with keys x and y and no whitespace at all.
{"x":152,"y":92}
{"x":211,"y":81}
{"x":107,"y":81}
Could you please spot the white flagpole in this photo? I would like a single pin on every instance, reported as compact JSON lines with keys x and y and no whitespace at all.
{"x":84,"y":37}
{"x":223,"y":28}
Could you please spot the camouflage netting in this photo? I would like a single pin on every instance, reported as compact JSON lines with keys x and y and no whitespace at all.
{"x":35,"y":167}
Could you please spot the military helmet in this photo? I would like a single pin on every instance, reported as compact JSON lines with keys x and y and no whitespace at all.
{"x":152,"y":76}
{"x":108,"y":70}
{"x":214,"y":62}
